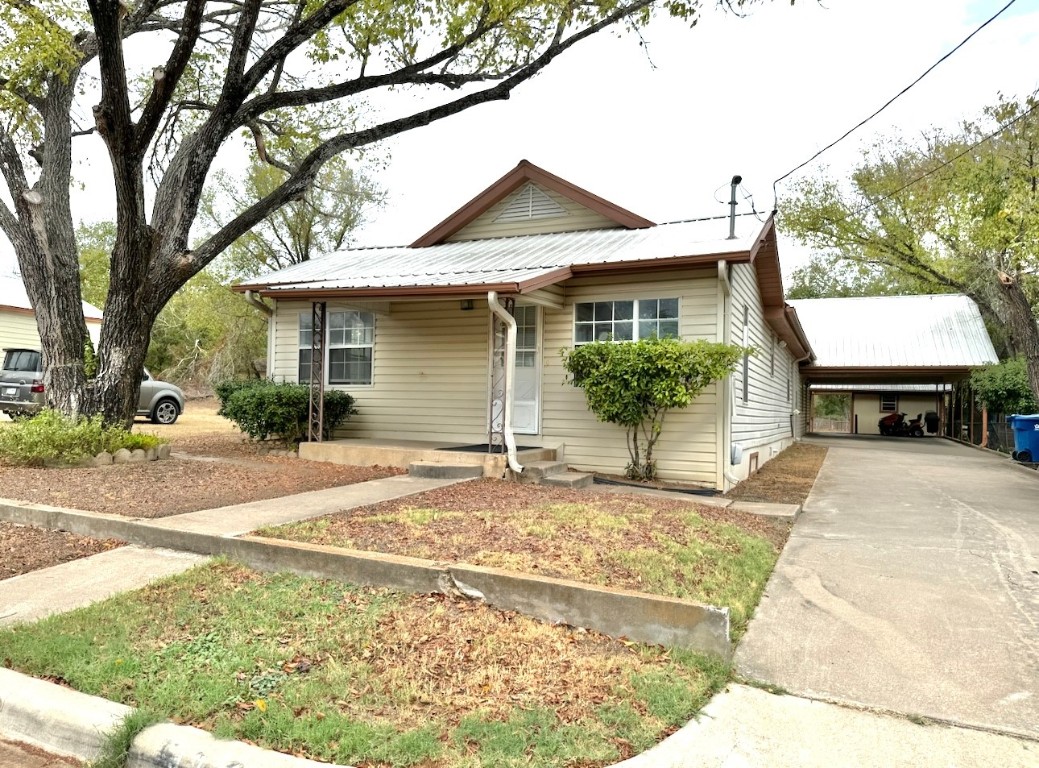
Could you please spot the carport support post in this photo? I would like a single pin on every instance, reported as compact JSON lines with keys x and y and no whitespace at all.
{"x":984,"y":427}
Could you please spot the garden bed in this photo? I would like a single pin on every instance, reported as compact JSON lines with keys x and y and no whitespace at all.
{"x":24,"y":548}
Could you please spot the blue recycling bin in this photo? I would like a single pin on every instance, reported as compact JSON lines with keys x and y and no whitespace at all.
{"x":1026,"y":437}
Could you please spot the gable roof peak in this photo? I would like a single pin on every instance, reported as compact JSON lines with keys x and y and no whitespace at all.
{"x":524,"y":172}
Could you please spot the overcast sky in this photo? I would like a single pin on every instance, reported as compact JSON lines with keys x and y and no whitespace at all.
{"x":662,"y":134}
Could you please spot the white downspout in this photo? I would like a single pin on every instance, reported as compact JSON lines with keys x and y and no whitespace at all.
{"x":510,"y":372}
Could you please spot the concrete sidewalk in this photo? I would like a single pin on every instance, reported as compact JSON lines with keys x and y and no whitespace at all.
{"x":240,"y":519}
{"x":909,"y":585}
{"x":81,"y":582}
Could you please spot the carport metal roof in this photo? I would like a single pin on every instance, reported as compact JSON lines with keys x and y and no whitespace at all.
{"x":880,"y":339}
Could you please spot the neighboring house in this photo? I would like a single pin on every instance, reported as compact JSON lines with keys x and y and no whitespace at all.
{"x":18,"y":321}
{"x":419,"y":335}
{"x":892,"y":353}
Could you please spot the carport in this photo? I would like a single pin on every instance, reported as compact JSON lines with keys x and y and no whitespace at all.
{"x":885,"y":354}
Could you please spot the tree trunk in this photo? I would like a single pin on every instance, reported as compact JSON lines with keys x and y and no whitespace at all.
{"x":47,"y":256}
{"x":1021,"y":327}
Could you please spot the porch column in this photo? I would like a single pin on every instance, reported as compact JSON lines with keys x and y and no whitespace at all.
{"x":316,"y":422}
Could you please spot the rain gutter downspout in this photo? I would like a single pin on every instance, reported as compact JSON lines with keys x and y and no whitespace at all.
{"x":510,"y":372}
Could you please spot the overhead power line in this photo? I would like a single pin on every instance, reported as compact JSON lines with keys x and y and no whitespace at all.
{"x":888,"y":103}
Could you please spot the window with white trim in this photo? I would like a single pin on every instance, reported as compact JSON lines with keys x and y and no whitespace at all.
{"x":349,"y":346}
{"x":627,"y":320}
{"x":888,"y":402}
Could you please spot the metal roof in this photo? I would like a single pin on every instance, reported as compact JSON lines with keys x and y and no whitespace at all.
{"x":13,"y":295}
{"x":517,"y":259}
{"x":943,"y":331}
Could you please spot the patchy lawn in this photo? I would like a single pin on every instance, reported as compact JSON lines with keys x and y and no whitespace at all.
{"x":368,"y":677}
{"x":786,"y":479}
{"x":664,"y":546}
{"x":24,"y":548}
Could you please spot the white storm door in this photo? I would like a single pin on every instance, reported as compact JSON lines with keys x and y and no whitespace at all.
{"x":526,"y":386}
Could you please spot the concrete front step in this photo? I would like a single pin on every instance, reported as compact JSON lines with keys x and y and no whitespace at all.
{"x":536,"y":471}
{"x":569,"y":479}
{"x":437,"y":471}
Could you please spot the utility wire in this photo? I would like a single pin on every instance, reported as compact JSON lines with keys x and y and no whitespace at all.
{"x":888,"y":103}
{"x":948,"y":162}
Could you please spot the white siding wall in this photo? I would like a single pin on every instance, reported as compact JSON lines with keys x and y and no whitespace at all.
{"x":577,"y":218}
{"x":18,"y":330}
{"x":687,"y":448}
{"x":762,"y":423}
{"x":429,"y":371}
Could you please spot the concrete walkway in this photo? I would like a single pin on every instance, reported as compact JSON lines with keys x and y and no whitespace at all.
{"x":77,"y":583}
{"x":910,"y":584}
{"x":240,"y":519}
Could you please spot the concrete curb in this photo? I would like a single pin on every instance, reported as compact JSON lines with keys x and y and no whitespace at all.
{"x":614,"y":612}
{"x":73,"y":724}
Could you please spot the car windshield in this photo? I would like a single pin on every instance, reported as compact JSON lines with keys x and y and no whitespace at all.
{"x":27,"y":360}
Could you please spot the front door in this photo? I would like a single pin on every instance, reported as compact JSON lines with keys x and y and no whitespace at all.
{"x":527,"y":385}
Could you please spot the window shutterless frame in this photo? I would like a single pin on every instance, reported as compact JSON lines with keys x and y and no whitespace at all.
{"x":350,"y":347}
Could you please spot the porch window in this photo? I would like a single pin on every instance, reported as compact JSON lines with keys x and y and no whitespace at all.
{"x":350,"y":342}
{"x":625,"y":320}
{"x":526,"y":336}
{"x":888,"y":402}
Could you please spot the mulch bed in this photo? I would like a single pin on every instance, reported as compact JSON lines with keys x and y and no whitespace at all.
{"x":491,"y":496}
{"x":172,"y":487}
{"x":24,"y":548}
{"x":786,"y":479}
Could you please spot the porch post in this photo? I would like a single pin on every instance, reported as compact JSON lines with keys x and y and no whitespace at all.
{"x":316,"y":422}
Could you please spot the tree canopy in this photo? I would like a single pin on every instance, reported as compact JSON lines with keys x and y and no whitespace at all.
{"x":167,"y":84}
{"x":957,"y":213}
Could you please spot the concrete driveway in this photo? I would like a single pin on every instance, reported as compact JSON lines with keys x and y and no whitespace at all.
{"x":910,"y":584}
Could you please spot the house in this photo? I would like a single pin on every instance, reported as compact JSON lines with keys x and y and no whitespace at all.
{"x":890,"y":354}
{"x":18,"y":321}
{"x":455,"y":340}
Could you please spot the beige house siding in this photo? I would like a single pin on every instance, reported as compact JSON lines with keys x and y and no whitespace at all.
{"x":18,"y":330}
{"x":687,"y":449}
{"x":577,"y":218}
{"x":429,"y":371}
{"x":761,"y":424}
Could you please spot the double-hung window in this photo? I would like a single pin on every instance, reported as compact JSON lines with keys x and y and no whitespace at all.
{"x":626,"y":320}
{"x":349,"y":343}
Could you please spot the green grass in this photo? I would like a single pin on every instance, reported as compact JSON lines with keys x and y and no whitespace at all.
{"x":366,"y":677}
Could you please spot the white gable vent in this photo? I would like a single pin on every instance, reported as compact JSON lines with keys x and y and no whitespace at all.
{"x":531,"y":203}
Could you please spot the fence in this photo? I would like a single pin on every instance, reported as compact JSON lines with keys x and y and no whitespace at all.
{"x":822,"y":424}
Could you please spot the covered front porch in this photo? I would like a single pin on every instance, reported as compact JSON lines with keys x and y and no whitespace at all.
{"x":403,"y":453}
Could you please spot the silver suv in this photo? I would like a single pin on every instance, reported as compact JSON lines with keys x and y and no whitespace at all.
{"x":21,"y":390}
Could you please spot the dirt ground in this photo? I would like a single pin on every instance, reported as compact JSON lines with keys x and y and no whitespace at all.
{"x":216,"y":467}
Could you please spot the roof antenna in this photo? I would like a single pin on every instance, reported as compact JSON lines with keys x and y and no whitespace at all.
{"x":732,"y":207}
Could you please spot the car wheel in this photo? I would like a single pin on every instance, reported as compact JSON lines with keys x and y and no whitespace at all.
{"x":166,"y":411}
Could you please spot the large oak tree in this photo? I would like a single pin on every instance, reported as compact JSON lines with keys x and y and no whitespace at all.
{"x":958,"y":212}
{"x":168,"y":83}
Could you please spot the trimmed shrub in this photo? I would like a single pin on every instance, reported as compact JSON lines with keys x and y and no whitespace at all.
{"x":51,"y":437}
{"x":226,"y":388}
{"x":266,"y":409}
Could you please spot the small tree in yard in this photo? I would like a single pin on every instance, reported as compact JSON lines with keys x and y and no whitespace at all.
{"x":635,"y":384}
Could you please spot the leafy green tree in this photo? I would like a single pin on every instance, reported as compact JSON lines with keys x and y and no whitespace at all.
{"x":832,"y":406}
{"x":319,"y":223}
{"x":1003,"y":388}
{"x":635,"y":385}
{"x":827,"y":276}
{"x":293,"y":75}
{"x":958,"y":214}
